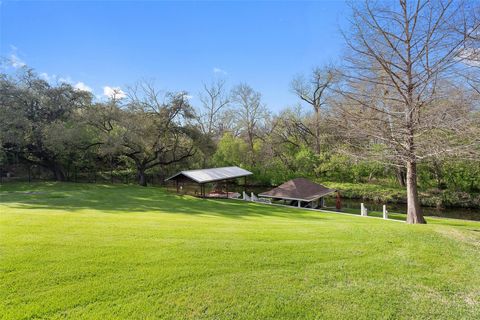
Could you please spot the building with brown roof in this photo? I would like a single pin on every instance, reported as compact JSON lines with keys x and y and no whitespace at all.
{"x":300,"y":192}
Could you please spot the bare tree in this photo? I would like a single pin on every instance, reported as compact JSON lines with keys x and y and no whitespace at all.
{"x":314,"y":91}
{"x":228,"y":123}
{"x":287,"y":134}
{"x":403,"y":57}
{"x":470,"y":53}
{"x":214,"y":101}
{"x":250,"y":112}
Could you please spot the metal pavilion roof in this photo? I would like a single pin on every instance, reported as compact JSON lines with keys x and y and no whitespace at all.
{"x":213,"y":174}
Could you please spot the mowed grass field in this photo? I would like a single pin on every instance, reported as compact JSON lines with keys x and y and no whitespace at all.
{"x":81,"y":251}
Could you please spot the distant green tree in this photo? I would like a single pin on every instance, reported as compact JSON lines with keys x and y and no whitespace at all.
{"x":146,"y":129}
{"x":39,"y":122}
{"x":231,"y":151}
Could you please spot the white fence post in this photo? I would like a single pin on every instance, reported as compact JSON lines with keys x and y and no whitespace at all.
{"x":362,"y":210}
{"x":385,"y":212}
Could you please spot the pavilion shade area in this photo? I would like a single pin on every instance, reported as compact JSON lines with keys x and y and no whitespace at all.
{"x":215,"y":179}
{"x":300,"y":192}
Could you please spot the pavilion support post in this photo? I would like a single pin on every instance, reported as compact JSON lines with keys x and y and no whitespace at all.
{"x":226,"y":187}
{"x":245,"y":184}
{"x":176,"y":185}
{"x":299,"y":203}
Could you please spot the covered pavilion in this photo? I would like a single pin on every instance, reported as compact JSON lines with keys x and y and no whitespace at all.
{"x":300,"y":192}
{"x":202,"y":177}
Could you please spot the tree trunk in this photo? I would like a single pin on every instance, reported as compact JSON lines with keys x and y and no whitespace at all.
{"x":252,"y":146}
{"x":401,"y":176}
{"x":414,"y":211}
{"x":142,"y":179}
{"x":58,"y":173}
{"x":317,"y":130}
{"x":437,"y":173}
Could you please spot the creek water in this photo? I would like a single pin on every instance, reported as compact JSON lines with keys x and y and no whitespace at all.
{"x":455,"y":213}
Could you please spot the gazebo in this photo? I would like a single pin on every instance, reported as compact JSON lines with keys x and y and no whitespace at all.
{"x":204,"y":176}
{"x":300,"y":192}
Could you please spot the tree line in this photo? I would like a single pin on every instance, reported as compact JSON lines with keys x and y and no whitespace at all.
{"x":401,"y":106}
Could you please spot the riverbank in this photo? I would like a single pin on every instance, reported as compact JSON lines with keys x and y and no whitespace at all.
{"x":392,"y":194}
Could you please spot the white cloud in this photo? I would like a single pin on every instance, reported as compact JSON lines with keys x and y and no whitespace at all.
{"x":67,"y":79}
{"x":48,"y":77}
{"x":219,"y":71}
{"x":52,"y":78}
{"x":16,"y":62}
{"x":82,"y":86}
{"x":45,"y":76}
{"x":470,"y":56}
{"x":14,"y":59}
{"x":79,"y":85}
{"x":113,"y":92}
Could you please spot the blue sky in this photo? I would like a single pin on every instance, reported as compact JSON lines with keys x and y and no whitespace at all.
{"x":99,"y":44}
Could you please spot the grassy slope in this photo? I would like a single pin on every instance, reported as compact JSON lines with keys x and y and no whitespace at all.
{"x":85,"y":251}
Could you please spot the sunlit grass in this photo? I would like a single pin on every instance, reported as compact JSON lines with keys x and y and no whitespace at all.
{"x":109,"y":252}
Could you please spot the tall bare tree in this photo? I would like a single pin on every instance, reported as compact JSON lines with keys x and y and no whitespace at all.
{"x":287,"y":135}
{"x":214,"y":101}
{"x":250,"y":113}
{"x":313,"y":91}
{"x":403,"y":56}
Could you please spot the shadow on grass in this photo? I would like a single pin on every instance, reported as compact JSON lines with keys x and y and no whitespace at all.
{"x":116,"y":199}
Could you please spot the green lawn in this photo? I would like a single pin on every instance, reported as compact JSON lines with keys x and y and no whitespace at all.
{"x":110,"y":252}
